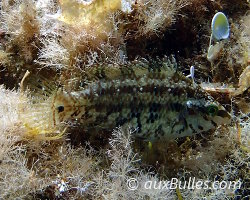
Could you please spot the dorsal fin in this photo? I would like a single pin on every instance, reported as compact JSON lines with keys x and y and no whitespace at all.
{"x":135,"y":69}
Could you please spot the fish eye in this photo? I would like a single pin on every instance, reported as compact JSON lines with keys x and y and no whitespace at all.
{"x":212,"y":109}
{"x":60,"y":109}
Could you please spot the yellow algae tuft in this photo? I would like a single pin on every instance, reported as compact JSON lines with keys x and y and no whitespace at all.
{"x":38,"y":132}
{"x":90,"y":15}
{"x":4,"y":58}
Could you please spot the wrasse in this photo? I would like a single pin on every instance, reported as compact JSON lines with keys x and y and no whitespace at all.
{"x":158,"y":101}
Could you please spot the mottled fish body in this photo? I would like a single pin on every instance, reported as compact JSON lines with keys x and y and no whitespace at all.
{"x":158,"y":102}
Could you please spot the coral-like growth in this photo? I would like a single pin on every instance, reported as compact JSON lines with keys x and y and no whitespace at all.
{"x":53,"y":55}
{"x":20,"y":21}
{"x":117,"y":181}
{"x":156,"y":16}
{"x":16,"y":180}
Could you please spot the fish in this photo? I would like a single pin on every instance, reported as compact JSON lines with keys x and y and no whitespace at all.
{"x":157,"y":100}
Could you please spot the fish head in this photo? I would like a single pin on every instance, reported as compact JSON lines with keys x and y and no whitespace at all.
{"x":65,"y":106}
{"x":204,"y":114}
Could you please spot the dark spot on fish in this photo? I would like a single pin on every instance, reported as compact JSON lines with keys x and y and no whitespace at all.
{"x":214,"y":123}
{"x":200,"y":127}
{"x":139,"y":122}
{"x":191,"y":111}
{"x":121,"y":121}
{"x":154,"y":107}
{"x":151,"y":116}
{"x":159,"y":130}
{"x":191,"y":126}
{"x":60,"y":109}
{"x":137,"y":115}
{"x":205,"y":117}
{"x":132,"y":115}
{"x":75,"y":113}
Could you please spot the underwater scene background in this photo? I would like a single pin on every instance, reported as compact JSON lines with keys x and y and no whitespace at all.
{"x":124,"y":99}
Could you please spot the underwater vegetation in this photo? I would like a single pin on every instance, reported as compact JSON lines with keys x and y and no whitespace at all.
{"x":105,"y":99}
